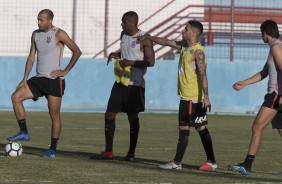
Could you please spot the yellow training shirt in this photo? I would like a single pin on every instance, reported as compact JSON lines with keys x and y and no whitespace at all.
{"x":189,"y":81}
{"x":122,"y":75}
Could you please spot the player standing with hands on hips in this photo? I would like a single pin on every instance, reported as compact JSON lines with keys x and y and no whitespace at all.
{"x":193,"y":92}
{"x":48,"y":43}
{"x":128,"y":95}
{"x":271,"y":109}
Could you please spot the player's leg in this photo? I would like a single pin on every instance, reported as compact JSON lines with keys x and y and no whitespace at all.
{"x":183,"y":140}
{"x":22,"y":93}
{"x":110,"y":127}
{"x":208,"y":147}
{"x":134,"y":103}
{"x":54,"y":106}
{"x":114,"y":106}
{"x":277,"y":121}
{"x":280,"y":132}
{"x":133,"y":134}
{"x":263,"y":118}
{"x":184,"y":119}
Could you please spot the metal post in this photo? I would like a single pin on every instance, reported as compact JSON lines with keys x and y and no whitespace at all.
{"x":232,"y":32}
{"x":210,"y":34}
{"x":106,"y":28}
{"x":74,"y":20}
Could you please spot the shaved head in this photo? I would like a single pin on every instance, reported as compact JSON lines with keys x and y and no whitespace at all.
{"x":132,"y":17}
{"x":48,"y":12}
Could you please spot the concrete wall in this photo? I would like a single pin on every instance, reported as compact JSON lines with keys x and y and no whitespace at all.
{"x":89,"y":84}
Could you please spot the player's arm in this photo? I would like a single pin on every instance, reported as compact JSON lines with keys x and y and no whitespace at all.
{"x":114,"y":55}
{"x":64,"y":38}
{"x":201,"y":68}
{"x":29,"y":61}
{"x":160,"y":41}
{"x":255,"y":78}
{"x":31,"y":56}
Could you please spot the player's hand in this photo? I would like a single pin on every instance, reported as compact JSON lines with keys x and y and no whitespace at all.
{"x":238,"y":85}
{"x":111,"y":56}
{"x":22,"y":83}
{"x":57,"y":73}
{"x":207,"y":104}
{"x":124,"y":63}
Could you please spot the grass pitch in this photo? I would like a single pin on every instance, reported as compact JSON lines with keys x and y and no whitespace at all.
{"x":83,"y":136}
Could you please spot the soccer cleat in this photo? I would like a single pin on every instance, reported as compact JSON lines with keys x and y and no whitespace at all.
{"x":240,"y":169}
{"x":21,"y":136}
{"x":170,"y":165}
{"x":106,"y":155}
{"x":208,"y":166}
{"x":129,"y":157}
{"x":50,"y":153}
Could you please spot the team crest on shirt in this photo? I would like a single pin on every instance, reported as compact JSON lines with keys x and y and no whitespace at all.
{"x":48,"y":40}
{"x":191,"y":51}
{"x":133,"y":44}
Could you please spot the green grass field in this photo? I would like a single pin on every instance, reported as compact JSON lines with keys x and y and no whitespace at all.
{"x":83,"y":136}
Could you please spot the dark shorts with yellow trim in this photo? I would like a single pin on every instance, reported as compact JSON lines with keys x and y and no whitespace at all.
{"x":43,"y":86}
{"x":129,"y":99}
{"x":271,"y":101}
{"x":192,"y":114}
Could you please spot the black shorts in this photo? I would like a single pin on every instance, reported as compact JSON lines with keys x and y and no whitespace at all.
{"x":272,"y":101}
{"x":192,"y":114}
{"x":129,"y":99}
{"x":43,"y":86}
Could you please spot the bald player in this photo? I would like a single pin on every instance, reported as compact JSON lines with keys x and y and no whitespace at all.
{"x":48,"y":43}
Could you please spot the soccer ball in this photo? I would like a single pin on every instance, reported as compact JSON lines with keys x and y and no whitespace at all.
{"x":14,"y":149}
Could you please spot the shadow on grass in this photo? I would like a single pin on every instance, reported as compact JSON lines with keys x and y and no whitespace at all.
{"x":152,"y":164}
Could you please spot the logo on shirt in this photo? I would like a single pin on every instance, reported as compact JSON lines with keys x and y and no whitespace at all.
{"x":48,"y":40}
{"x":133,"y":44}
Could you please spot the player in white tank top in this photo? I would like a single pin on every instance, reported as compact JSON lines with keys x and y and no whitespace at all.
{"x":128,"y":98}
{"x":271,"y":109}
{"x":48,"y":42}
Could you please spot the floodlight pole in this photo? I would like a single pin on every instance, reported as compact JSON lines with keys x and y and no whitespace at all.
{"x":106,"y":28}
{"x":232,"y":32}
{"x":74,"y":19}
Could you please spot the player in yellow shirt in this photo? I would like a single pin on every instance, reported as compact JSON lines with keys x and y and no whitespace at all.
{"x":193,"y":92}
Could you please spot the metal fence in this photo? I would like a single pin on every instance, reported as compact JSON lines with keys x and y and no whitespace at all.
{"x":95,"y":24}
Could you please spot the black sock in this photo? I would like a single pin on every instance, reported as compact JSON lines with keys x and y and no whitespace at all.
{"x":248,"y":162}
{"x":134,"y":131}
{"x":182,"y":145}
{"x":207,"y":144}
{"x":110,"y":127}
{"x":22,"y":125}
{"x":54,"y":142}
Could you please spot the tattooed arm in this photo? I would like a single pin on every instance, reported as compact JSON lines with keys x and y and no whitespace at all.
{"x":201,"y":68}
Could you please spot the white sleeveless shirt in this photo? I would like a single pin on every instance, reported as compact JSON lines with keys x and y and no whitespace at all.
{"x":49,"y":55}
{"x":131,"y":50}
{"x":275,"y":79}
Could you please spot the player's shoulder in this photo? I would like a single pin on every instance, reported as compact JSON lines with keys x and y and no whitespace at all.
{"x":61,"y":33}
{"x":199,"y":51}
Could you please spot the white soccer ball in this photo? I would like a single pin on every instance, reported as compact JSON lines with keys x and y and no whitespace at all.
{"x":14,"y":149}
